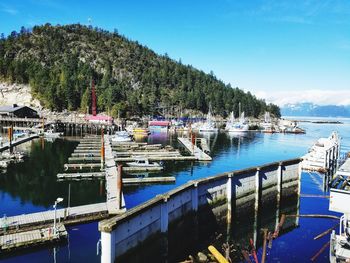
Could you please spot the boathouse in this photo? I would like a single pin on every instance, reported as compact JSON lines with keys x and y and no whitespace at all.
{"x":99,"y":119}
{"x":18,"y":111}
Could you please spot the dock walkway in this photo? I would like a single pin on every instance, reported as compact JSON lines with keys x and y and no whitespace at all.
{"x":114,"y":204}
{"x":194,"y":150}
{"x":83,"y":213}
{"x":5,"y":146}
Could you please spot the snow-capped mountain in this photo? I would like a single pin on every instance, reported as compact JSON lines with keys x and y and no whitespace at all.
{"x":310,"y":109}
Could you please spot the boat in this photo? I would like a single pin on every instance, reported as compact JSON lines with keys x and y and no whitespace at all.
{"x":51,"y":134}
{"x":267,"y":126}
{"x":143,"y":162}
{"x":209,"y":125}
{"x":121,"y":136}
{"x":237,"y":126}
{"x":317,"y":157}
{"x":19,"y":134}
{"x":141,"y":131}
{"x":339,"y":202}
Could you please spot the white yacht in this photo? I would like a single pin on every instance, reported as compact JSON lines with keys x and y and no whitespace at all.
{"x":209,"y":125}
{"x":121,"y":136}
{"x":51,"y":134}
{"x":267,"y":124}
{"x":143,"y":162}
{"x":237,"y":126}
{"x":339,"y":202}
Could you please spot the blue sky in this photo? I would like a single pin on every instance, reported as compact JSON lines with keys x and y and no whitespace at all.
{"x":284,"y":51}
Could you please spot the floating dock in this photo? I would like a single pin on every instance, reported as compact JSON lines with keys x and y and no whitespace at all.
{"x":194,"y":150}
{"x":157,"y":158}
{"x":136,"y":180}
{"x":34,"y":237}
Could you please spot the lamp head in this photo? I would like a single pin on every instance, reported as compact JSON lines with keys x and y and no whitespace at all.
{"x":59,"y":199}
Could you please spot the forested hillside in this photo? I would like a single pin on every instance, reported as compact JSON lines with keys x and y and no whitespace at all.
{"x":59,"y":62}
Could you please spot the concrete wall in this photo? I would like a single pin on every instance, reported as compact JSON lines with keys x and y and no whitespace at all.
{"x":122,"y":233}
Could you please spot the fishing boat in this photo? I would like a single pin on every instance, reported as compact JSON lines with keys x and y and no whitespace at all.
{"x":121,"y":136}
{"x":51,"y":134}
{"x":209,"y":125}
{"x":237,"y":126}
{"x":142,"y":162}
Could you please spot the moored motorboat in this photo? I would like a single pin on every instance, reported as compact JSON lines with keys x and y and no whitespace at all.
{"x":209,"y":125}
{"x":121,"y":136}
{"x":51,"y":134}
{"x":142,"y":162}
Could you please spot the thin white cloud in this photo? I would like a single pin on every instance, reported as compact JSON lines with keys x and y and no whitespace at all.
{"x":9,"y":10}
{"x":320,"y":97}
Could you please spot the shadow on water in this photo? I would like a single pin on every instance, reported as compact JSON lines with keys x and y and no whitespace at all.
{"x":34,"y":180}
{"x":194,"y":232}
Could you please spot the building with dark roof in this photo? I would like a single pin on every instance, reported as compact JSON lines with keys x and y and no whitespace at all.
{"x":18,"y":111}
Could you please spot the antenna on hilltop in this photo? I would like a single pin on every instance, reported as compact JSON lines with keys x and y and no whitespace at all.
{"x":89,"y":21}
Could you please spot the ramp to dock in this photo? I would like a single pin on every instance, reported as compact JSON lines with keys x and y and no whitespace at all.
{"x":5,"y":146}
{"x":114,"y":204}
{"x":194,"y":150}
{"x":76,"y":214}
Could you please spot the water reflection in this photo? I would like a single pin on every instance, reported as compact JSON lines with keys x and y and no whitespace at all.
{"x":34,"y":180}
{"x":196,"y":232}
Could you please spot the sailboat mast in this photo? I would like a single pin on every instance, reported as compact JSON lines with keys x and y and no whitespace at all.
{"x":239,"y":109}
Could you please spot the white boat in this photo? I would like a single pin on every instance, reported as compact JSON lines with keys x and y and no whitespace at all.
{"x":209,"y":125}
{"x":237,"y":126}
{"x":267,"y":126}
{"x":339,"y":202}
{"x":18,"y":134}
{"x":51,"y":134}
{"x":121,"y":136}
{"x":317,"y":157}
{"x":143,"y":162}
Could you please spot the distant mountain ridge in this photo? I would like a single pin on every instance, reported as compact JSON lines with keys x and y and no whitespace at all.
{"x":310,"y":109}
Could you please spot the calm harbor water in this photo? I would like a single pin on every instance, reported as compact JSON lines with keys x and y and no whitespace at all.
{"x":31,"y":186}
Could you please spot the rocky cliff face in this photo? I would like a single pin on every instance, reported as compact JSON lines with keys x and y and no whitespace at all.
{"x":17,"y":94}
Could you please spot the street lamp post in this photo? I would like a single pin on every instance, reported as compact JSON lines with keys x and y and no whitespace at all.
{"x":58,"y":200}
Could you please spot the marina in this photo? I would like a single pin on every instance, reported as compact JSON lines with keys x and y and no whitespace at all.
{"x":118,"y":202}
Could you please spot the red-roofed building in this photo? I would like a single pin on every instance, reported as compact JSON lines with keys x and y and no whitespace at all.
{"x":99,"y":119}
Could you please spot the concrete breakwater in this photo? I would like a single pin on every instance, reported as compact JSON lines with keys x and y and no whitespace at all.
{"x":257,"y":187}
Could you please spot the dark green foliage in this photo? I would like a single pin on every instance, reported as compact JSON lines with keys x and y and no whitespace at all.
{"x":60,"y":61}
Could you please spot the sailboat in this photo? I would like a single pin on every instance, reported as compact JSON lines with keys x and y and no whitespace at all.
{"x":237,"y":126}
{"x":267,"y":124}
{"x":209,"y":125}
